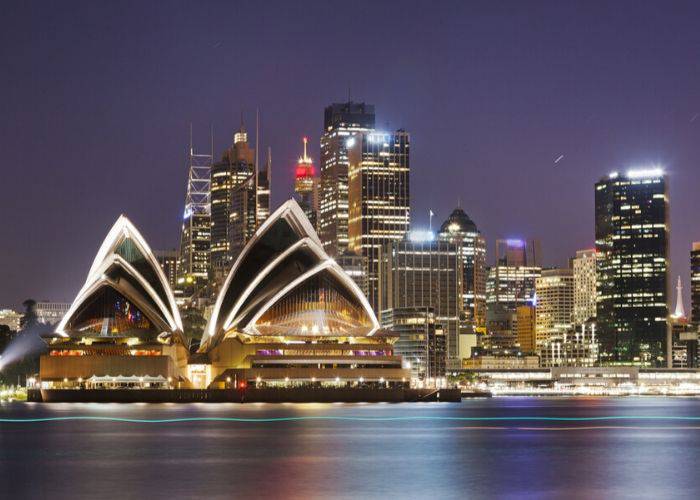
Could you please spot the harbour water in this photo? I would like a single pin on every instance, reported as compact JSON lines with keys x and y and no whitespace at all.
{"x":480,"y":448}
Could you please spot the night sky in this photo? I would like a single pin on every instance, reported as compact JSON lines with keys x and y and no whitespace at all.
{"x":97,"y":97}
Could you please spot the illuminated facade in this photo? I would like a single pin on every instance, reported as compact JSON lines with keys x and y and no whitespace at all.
{"x":555,"y":304}
{"x":632,"y":242}
{"x":168,"y":263}
{"x":461,"y":230}
{"x":306,"y":185}
{"x":288,"y":314}
{"x":195,"y":238}
{"x":240,"y":201}
{"x":378,"y":191}
{"x":425,"y":273}
{"x":123,"y":322}
{"x":421,"y":341}
{"x":526,"y":328}
{"x":510,"y":283}
{"x":341,"y":122}
{"x":585,"y":298}
{"x":695,"y":284}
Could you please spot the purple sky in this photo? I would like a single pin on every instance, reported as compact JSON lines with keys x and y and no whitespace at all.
{"x":97,"y":97}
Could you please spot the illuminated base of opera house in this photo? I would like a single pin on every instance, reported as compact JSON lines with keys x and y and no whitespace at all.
{"x":286,"y":316}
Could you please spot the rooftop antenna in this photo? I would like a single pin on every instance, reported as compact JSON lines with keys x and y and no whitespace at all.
{"x":191,"y":147}
{"x":349,"y":96}
{"x":269,"y":168}
{"x":430,"y":219}
{"x":459,"y":202}
{"x":257,"y":148}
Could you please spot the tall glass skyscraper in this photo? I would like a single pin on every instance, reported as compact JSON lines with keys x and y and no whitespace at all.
{"x":695,"y":283}
{"x":462,"y":231}
{"x":632,"y":245}
{"x":378,"y":193}
{"x":341,"y":121}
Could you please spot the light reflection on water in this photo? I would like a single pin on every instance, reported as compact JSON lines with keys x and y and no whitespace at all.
{"x":351,"y":459}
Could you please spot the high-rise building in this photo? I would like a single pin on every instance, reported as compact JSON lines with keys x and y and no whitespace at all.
{"x":684,"y":336}
{"x":695,"y":284}
{"x":632,"y":242}
{"x":264,"y":190}
{"x":354,"y":266}
{"x":425,"y":273}
{"x":378,"y":192}
{"x":421,"y":342}
{"x":526,"y":328}
{"x":462,"y":231}
{"x":340,"y":122}
{"x":584,"y":267}
{"x":237,"y":165}
{"x":510,"y":283}
{"x":555,"y":304}
{"x":10,"y":318}
{"x":306,"y":185}
{"x":578,"y":348}
{"x":195,"y":239}
{"x":168,"y":263}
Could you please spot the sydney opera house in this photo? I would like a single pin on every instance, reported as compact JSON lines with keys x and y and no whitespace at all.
{"x":287,"y":316}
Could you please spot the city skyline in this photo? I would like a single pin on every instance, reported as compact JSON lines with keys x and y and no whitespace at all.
{"x":505,"y":154}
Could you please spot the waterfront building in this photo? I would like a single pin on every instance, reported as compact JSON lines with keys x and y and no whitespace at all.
{"x":287,"y":314}
{"x":420,"y":271}
{"x":695,"y":284}
{"x":123,"y":324}
{"x":501,"y":362}
{"x":526,"y":327}
{"x":168,"y":263}
{"x":195,"y":235}
{"x":378,"y":192}
{"x":584,"y":267}
{"x":10,"y":318}
{"x":555,"y":303}
{"x":421,"y":342}
{"x":578,"y":348}
{"x":462,"y":231}
{"x":354,"y":266}
{"x":341,"y":121}
{"x":50,"y":313}
{"x":306,"y":186}
{"x":632,"y":245}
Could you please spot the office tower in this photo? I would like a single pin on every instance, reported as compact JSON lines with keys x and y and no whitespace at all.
{"x":306,"y":185}
{"x":264,"y":190}
{"x":695,"y":284}
{"x":584,"y":266}
{"x":509,"y":284}
{"x":340,"y":122}
{"x":378,"y":191}
{"x":168,"y":263}
{"x":461,"y":230}
{"x":632,"y":241}
{"x":237,"y":166}
{"x":354,"y":266}
{"x":526,"y":327}
{"x":421,"y":342}
{"x":421,"y":272}
{"x":555,"y":304}
{"x":195,"y":239}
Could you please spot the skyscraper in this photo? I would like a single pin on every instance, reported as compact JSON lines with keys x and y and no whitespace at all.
{"x":240,"y":201}
{"x":237,"y":165}
{"x":462,"y":231}
{"x":584,"y":266}
{"x":526,"y":328}
{"x":378,"y":192}
{"x":341,"y":121}
{"x":695,"y":283}
{"x":632,"y":241}
{"x":509,"y":284}
{"x":422,"y":272}
{"x":195,"y":239}
{"x":306,"y":185}
{"x":555,"y":304}
{"x":168,"y":262}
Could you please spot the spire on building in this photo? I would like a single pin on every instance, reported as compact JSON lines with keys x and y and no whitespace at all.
{"x":680,"y":310}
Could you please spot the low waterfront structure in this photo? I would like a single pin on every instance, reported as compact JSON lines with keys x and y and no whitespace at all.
{"x":123,"y":322}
